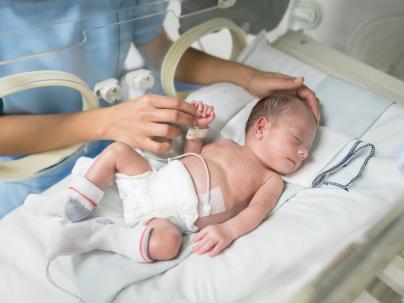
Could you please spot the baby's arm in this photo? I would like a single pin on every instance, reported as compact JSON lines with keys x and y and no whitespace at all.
{"x":206,"y":115}
{"x":215,"y":238}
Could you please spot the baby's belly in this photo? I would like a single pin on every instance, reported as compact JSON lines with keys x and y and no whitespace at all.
{"x":199,"y":176}
{"x":223,"y":207}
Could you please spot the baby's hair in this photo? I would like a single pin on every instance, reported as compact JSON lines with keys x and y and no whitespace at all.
{"x":271,"y":107}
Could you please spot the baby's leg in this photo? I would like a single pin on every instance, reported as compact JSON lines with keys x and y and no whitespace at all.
{"x":159,"y":240}
{"x":165,"y":240}
{"x":116,"y":158}
{"x":86,"y":192}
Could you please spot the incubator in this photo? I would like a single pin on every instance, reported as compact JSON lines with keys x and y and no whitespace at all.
{"x":350,"y":52}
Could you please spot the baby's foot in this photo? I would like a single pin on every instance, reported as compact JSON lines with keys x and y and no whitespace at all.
{"x":83,"y":197}
{"x":73,"y":238}
{"x":77,"y":209}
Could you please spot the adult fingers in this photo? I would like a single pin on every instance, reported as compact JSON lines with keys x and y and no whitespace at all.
{"x":312,"y":101}
{"x":165,"y":102}
{"x":161,"y":130}
{"x":171,"y":115}
{"x":280,"y":75}
{"x":199,"y":108}
{"x":278,"y":84}
{"x":154,"y":146}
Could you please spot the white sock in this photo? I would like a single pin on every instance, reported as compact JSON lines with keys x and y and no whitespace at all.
{"x":83,"y":197}
{"x":100,"y":233}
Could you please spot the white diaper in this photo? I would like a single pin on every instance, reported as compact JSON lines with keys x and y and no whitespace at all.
{"x":167,"y":193}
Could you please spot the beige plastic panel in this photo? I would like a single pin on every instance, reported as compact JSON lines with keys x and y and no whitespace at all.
{"x":340,"y":65}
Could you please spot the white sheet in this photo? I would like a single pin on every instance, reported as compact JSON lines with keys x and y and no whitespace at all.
{"x":298,"y":240}
{"x":278,"y":253}
{"x":275,"y":260}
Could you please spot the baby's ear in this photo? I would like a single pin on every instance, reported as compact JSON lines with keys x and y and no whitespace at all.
{"x":260,"y":125}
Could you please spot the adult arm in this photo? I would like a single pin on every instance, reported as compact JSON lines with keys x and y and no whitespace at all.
{"x":134,"y":122}
{"x":201,"y":68}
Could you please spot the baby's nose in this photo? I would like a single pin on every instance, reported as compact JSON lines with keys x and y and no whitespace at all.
{"x":303,"y":153}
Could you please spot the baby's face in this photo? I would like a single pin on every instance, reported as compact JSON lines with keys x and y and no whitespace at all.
{"x":287,"y":141}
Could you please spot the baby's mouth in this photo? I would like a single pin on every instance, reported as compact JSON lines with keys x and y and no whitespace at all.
{"x":292,"y":161}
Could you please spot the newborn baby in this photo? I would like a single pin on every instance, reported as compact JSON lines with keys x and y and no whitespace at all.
{"x":222,"y":190}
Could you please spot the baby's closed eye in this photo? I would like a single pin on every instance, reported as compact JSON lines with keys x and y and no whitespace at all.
{"x":296,"y":139}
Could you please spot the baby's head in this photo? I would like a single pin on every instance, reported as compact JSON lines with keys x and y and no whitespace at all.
{"x":280,"y":131}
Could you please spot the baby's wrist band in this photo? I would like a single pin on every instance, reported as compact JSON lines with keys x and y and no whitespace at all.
{"x":196,"y":133}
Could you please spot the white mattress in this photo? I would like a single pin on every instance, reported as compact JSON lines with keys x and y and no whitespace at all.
{"x":296,"y":242}
{"x":268,"y":265}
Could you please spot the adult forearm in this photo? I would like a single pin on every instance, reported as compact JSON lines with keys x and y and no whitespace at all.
{"x":198,"y":67}
{"x":21,"y":134}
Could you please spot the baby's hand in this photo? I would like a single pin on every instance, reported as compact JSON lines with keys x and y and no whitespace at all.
{"x":213,"y":239}
{"x":206,"y":114}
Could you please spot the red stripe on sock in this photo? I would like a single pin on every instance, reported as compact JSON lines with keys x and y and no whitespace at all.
{"x":141,"y":246}
{"x":84,"y":196}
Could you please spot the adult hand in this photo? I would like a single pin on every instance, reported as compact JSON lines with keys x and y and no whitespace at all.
{"x":137,"y":122}
{"x":261,"y":84}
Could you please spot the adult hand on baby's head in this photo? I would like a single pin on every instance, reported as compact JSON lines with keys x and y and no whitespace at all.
{"x":307,"y":95}
{"x":205,"y":114}
{"x":262,"y":84}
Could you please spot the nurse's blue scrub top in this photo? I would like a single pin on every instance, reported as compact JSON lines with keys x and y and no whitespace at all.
{"x":100,"y":55}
